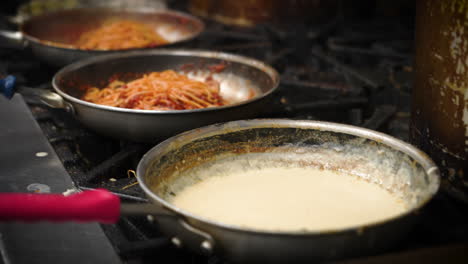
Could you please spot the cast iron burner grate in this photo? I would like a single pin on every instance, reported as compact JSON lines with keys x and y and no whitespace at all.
{"x":355,"y":73}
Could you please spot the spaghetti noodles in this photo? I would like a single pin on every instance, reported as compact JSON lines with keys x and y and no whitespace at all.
{"x":165,"y":90}
{"x":120,"y":34}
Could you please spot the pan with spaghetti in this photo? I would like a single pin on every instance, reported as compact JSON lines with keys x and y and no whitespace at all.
{"x":65,"y":36}
{"x":146,"y":96}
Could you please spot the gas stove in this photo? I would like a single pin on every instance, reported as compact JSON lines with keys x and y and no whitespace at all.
{"x":354,"y":72}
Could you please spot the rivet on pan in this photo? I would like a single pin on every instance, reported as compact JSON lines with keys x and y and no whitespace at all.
{"x":176,"y":242}
{"x":206,"y":247}
{"x":150,"y":218}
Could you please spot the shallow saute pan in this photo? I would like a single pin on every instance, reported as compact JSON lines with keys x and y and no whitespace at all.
{"x":245,"y":82}
{"x":162,"y":172}
{"x":51,"y":35}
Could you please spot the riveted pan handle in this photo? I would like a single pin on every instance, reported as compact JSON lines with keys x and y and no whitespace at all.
{"x":188,"y":232}
{"x":8,"y":88}
{"x":12,"y":39}
{"x":47,"y":97}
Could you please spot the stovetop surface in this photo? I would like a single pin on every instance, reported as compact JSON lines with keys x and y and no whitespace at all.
{"x":354,"y":72}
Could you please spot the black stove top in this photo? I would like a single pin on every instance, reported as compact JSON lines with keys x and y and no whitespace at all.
{"x":354,"y":72}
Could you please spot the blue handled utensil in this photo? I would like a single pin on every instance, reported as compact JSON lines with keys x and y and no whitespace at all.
{"x":7,"y":86}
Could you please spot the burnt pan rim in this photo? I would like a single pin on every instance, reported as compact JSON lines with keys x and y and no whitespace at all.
{"x":430,"y":169}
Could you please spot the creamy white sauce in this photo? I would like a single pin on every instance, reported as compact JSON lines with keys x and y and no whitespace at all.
{"x":289,"y":199}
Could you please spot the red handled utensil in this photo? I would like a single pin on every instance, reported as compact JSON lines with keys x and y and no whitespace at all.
{"x":97,"y":205}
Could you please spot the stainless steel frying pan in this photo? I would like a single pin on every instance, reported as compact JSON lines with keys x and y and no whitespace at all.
{"x":51,"y":35}
{"x":165,"y":170}
{"x":245,"y":82}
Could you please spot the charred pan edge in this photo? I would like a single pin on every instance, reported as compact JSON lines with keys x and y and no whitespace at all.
{"x":272,"y":74}
{"x":431,"y":170}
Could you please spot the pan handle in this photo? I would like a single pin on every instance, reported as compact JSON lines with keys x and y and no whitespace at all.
{"x":87,"y":206}
{"x":51,"y":99}
{"x":8,"y":88}
{"x":98,"y":205}
{"x":12,"y":39}
{"x":188,"y":234}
